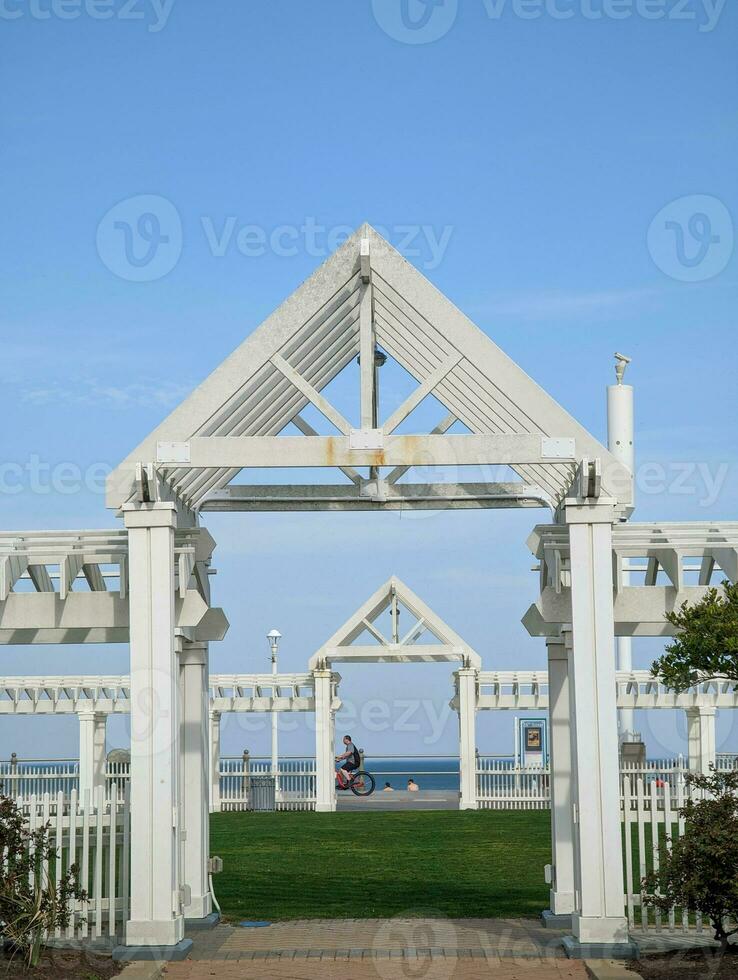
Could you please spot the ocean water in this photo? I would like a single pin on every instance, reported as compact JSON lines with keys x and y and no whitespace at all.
{"x":428,"y":773}
{"x":432,"y":773}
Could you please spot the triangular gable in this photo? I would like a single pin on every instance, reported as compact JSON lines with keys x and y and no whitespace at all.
{"x":401,"y":647}
{"x":260,"y":388}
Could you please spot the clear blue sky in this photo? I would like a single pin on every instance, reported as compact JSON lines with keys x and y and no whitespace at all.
{"x":531,"y":156}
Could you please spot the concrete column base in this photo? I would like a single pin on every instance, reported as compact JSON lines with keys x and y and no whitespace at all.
{"x":181,"y":951}
{"x":155,"y":932}
{"x":600,"y":951}
{"x":554,"y":920}
{"x":562,"y":903}
{"x":199,"y":908}
{"x":206,"y":922}
{"x":597,"y":929}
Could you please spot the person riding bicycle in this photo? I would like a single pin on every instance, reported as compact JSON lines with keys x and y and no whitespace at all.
{"x":350,"y":762}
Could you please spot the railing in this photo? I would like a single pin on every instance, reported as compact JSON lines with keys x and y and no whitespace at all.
{"x":95,"y":835}
{"x":501,"y":785}
{"x":24,"y":780}
{"x":295,"y":787}
{"x":117,"y":772}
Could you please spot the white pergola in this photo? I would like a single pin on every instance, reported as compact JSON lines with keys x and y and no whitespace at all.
{"x":364,"y":298}
{"x":442,"y":645}
{"x":93,"y":698}
{"x":365,"y":301}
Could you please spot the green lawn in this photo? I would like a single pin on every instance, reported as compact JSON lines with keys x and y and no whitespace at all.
{"x":323,"y":865}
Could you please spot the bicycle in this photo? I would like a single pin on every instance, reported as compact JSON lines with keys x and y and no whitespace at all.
{"x":360,"y":783}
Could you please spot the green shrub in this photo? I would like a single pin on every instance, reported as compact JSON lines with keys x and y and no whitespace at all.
{"x":31,"y":901}
{"x":698,"y":871}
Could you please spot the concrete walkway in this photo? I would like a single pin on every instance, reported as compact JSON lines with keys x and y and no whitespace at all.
{"x":429,"y":799}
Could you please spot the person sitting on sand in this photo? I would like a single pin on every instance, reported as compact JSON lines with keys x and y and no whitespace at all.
{"x":412,"y":786}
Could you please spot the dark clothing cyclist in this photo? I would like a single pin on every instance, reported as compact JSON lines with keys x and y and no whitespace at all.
{"x":350,"y":760}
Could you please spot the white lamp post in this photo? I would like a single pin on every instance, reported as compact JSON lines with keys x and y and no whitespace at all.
{"x":273,"y":638}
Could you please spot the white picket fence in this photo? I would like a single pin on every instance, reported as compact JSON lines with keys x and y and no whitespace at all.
{"x":501,"y":785}
{"x":650,"y":816}
{"x":295,"y":786}
{"x":94,"y":835}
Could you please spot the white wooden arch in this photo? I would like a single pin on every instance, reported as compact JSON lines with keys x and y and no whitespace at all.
{"x":402,"y":645}
{"x":365,"y":301}
{"x":366,"y":295}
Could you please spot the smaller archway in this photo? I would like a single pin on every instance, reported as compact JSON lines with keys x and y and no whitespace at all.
{"x":346,"y":646}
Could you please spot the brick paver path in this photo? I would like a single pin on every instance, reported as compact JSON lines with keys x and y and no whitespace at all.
{"x":381,"y":949}
{"x":491,"y":937}
{"x":345,"y":968}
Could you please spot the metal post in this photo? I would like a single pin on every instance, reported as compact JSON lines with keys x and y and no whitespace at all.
{"x":246,"y":776}
{"x":620,"y":442}
{"x":274,"y":636}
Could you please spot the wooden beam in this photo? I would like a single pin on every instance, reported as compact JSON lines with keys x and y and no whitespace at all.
{"x":312,"y":394}
{"x":237,"y":452}
{"x":84,"y":611}
{"x":404,"y":496}
{"x":308,"y":430}
{"x":441,"y":429}
{"x":420,"y":393}
{"x":366,"y":340}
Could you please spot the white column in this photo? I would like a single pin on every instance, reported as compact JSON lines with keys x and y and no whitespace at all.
{"x":156,"y":913}
{"x":562,"y":826}
{"x":92,"y":726}
{"x":214,"y":761}
{"x":195,"y":776}
{"x":620,"y":442}
{"x":598,"y":862}
{"x":325,"y":783}
{"x":626,"y":716}
{"x":466,"y":681}
{"x":701,"y":736}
